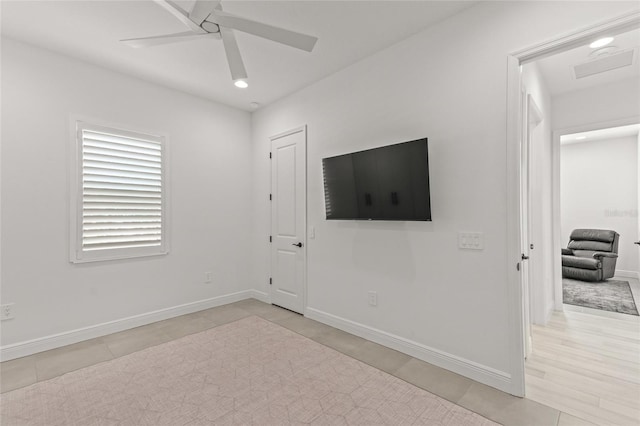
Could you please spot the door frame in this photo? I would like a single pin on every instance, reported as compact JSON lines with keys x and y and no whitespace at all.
{"x":515,"y":60}
{"x":303,"y":237}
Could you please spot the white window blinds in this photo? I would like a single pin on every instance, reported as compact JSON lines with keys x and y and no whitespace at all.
{"x":121,"y":194}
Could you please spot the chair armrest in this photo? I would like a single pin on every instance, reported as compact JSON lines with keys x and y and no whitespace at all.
{"x":601,"y":254}
{"x":568,"y":252}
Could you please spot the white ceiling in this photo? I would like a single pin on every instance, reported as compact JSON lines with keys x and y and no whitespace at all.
{"x":347,"y":30}
{"x":594,"y":135}
{"x":558,"y":72}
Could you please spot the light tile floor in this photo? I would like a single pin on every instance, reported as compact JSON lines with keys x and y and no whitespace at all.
{"x":486,"y":401}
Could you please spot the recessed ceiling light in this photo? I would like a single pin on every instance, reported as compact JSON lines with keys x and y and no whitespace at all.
{"x":241,"y":84}
{"x":580,"y":138}
{"x":601,"y":42}
{"x":603,"y":51}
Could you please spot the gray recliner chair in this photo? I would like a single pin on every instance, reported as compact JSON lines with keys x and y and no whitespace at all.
{"x":591,"y":255}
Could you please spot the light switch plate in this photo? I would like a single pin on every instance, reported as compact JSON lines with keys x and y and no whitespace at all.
{"x":471,"y":240}
{"x":372,"y":297}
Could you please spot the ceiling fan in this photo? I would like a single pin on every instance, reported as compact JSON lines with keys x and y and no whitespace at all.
{"x":208,"y":20}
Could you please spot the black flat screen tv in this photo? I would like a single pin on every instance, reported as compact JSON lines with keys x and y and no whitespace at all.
{"x":387,"y":183}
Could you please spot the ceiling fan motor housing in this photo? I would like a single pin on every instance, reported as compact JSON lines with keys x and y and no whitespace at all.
{"x":210,"y":27}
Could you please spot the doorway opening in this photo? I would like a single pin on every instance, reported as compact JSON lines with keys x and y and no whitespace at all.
{"x":569,"y":362}
{"x":599,"y":189}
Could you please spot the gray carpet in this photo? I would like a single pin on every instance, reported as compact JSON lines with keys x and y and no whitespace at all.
{"x":610,"y":295}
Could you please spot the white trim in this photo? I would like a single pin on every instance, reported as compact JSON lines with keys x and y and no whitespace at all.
{"x":298,"y":129}
{"x":29,"y":347}
{"x":620,"y":24}
{"x":627,"y":274}
{"x":260,"y":295}
{"x":535,"y":115}
{"x":78,"y":122}
{"x":623,"y":23}
{"x":481,"y":373}
{"x":588,"y":127}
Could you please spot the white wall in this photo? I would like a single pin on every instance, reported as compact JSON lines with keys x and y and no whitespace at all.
{"x":589,"y":109}
{"x":447,"y":83}
{"x":209,"y":163}
{"x":541,"y":257}
{"x":599,"y":189}
{"x":599,"y":104}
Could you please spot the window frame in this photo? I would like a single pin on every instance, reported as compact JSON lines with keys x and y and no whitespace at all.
{"x":76,"y":253}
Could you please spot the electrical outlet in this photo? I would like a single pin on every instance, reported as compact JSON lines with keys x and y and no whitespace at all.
{"x":373,"y":298}
{"x":208,"y":277}
{"x":6,"y":311}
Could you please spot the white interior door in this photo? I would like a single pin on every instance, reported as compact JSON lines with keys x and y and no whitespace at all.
{"x":533,"y":117}
{"x":288,"y":219}
{"x":637,"y":242}
{"x":524,"y":221}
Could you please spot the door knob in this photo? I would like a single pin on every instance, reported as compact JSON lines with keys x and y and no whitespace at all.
{"x":297,"y":245}
{"x":637,"y":242}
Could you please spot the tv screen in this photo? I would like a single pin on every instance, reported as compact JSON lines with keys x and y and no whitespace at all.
{"x":387,"y":183}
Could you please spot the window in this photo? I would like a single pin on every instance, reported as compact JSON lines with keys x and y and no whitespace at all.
{"x":118,"y":194}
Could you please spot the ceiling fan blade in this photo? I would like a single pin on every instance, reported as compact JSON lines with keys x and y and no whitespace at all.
{"x":279,"y":35}
{"x":177,"y":11}
{"x":202,"y":9}
{"x":162,"y":39}
{"x":233,"y":54}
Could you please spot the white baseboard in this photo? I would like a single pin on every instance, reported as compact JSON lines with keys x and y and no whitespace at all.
{"x":627,"y":274}
{"x":473,"y":370}
{"x":29,"y":347}
{"x":550,"y":311}
{"x":260,"y":295}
